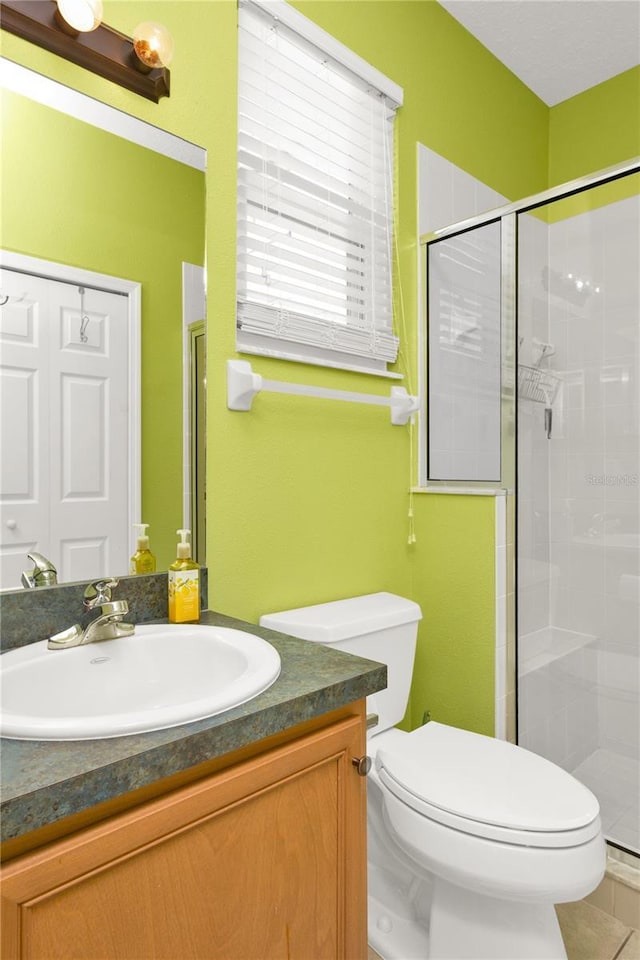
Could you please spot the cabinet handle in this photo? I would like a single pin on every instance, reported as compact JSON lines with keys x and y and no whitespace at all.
{"x":362,"y":765}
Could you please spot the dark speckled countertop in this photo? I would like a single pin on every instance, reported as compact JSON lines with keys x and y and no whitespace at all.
{"x":45,"y":781}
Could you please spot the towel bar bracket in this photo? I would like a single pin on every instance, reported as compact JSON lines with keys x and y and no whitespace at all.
{"x":242,"y":385}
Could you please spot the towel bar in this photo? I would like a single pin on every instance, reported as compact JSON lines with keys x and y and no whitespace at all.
{"x":243,"y":384}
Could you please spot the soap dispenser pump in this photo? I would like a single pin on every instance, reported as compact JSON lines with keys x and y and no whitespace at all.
{"x":143,"y":561}
{"x":184,"y":584}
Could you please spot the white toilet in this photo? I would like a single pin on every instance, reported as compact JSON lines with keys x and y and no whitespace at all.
{"x":471,"y":840}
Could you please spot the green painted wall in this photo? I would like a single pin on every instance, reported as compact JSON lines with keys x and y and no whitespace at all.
{"x":463,"y":103}
{"x":612,"y":109}
{"x":453,"y":575}
{"x":308,"y":500}
{"x":595,"y":129}
{"x":101,"y":203}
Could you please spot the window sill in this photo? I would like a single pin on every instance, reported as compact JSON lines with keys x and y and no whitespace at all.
{"x":319,"y":359}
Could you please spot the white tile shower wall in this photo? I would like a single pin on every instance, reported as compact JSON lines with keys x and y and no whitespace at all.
{"x":464,"y":407}
{"x":448,"y":194}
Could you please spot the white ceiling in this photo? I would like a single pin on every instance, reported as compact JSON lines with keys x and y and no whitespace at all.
{"x":557,"y":47}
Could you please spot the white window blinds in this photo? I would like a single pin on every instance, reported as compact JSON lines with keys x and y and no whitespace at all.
{"x":315,"y":201}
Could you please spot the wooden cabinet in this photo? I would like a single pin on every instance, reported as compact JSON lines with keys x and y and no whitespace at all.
{"x":263,"y":860}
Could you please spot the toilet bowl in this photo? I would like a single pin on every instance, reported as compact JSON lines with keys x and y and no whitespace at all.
{"x":502,"y":846}
{"x":472,"y":840}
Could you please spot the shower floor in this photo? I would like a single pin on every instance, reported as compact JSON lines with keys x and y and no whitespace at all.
{"x":615,"y":780}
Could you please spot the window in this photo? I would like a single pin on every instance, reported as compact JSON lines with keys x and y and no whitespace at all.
{"x":315,"y":195}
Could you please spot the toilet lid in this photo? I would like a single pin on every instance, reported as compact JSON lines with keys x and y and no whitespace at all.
{"x":489,"y":781}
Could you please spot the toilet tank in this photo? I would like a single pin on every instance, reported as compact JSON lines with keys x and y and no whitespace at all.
{"x":378,"y":626}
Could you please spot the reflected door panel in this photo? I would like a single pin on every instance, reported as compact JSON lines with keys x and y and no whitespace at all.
{"x":64,"y":490}
{"x":24,"y":385}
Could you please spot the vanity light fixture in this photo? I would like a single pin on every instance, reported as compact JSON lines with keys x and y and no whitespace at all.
{"x":73,"y":29}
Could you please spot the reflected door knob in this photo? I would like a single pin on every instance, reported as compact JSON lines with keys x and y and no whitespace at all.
{"x":362,"y":765}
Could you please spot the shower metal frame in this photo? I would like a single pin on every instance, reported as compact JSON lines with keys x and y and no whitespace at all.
{"x":507,"y":215}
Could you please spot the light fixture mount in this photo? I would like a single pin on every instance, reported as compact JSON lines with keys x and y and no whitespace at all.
{"x":104,"y":51}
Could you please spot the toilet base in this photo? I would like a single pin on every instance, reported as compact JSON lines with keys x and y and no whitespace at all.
{"x":461,"y":925}
{"x":396,"y":935}
{"x":399,"y":898}
{"x":466,"y":925}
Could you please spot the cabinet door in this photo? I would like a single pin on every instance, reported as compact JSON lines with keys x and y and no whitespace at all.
{"x":263,"y":861}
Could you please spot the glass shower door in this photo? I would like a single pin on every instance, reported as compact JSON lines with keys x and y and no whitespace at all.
{"x":578,"y":493}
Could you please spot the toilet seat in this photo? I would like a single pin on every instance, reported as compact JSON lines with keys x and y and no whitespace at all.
{"x":487,"y":787}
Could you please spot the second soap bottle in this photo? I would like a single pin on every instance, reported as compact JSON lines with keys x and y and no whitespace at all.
{"x":143,"y":561}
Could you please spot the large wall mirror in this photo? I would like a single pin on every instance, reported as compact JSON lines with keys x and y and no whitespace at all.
{"x":101,"y":333}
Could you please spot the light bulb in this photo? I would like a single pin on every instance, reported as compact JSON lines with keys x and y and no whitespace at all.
{"x":153,"y":44}
{"x":81,"y":15}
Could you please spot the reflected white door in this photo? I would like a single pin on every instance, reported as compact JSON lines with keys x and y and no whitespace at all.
{"x":24,"y":391}
{"x":65,"y":422}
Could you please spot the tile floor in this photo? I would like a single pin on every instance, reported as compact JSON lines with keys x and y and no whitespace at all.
{"x":590,"y":934}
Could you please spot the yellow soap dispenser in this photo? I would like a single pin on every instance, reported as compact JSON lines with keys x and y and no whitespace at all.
{"x":143,"y":561}
{"x":184,"y":584}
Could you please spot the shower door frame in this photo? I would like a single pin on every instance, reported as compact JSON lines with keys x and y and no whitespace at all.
{"x":507,"y":215}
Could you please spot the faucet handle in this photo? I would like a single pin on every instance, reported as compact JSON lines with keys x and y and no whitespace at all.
{"x":44,"y":574}
{"x":98,"y":593}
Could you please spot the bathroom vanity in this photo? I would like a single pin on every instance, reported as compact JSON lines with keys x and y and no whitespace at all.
{"x":239,"y":836}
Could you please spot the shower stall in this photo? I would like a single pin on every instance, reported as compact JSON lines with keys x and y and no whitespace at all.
{"x":564,"y":293}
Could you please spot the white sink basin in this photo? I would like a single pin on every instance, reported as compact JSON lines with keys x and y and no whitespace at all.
{"x":162,"y":676}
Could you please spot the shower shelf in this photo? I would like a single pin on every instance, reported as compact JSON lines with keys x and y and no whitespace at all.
{"x":541,"y":386}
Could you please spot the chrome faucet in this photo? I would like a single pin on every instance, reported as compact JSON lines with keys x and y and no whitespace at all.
{"x":44,"y":574}
{"x":108,"y":626}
